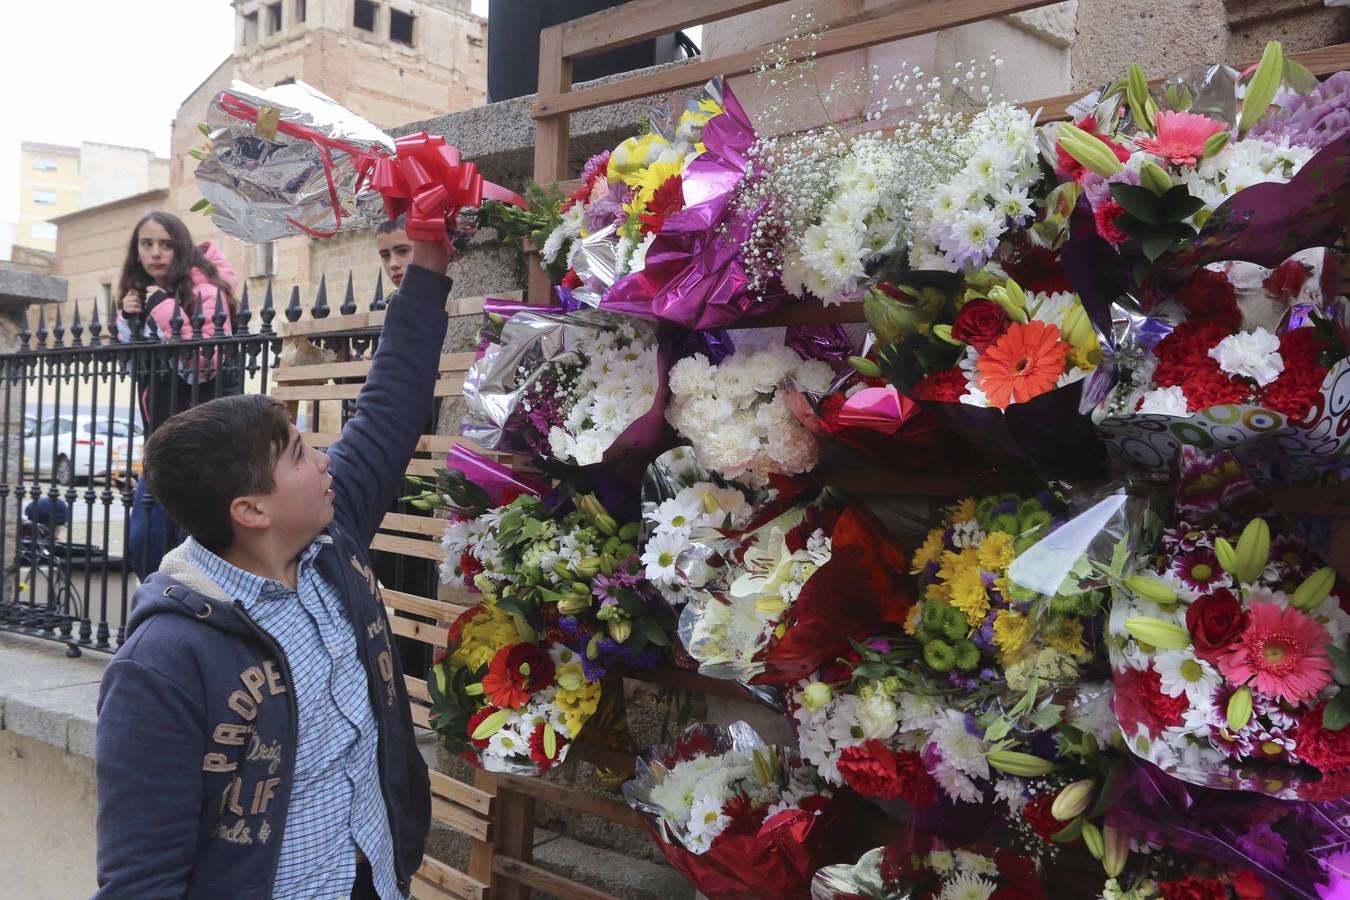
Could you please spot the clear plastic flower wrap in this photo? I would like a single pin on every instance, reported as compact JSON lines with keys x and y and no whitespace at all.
{"x":580,"y":388}
{"x":1228,"y":648}
{"x":897,"y":872}
{"x":290,"y":160}
{"x":740,"y":819}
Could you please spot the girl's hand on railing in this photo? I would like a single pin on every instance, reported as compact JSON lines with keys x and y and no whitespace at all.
{"x":131,"y":304}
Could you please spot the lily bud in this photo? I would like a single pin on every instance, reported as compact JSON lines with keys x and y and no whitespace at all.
{"x":1156,"y":632}
{"x":1092,"y":839}
{"x":1263,"y":86}
{"x":864,"y":366}
{"x":620,"y":629}
{"x":1152,"y":589}
{"x":1115,"y":852}
{"x":571,"y":604}
{"x":1073,"y":799}
{"x":1214,"y":143}
{"x":1253,"y":550}
{"x":1089,"y":150}
{"x":1021,"y":764}
{"x":1226,"y":555}
{"x":589,"y":567}
{"x":1314,"y":589}
{"x":1152,"y":176}
{"x":630,"y":531}
{"x":1239,"y":708}
{"x":817,"y":695}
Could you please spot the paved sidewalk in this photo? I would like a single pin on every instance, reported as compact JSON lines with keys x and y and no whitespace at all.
{"x":47,"y":696}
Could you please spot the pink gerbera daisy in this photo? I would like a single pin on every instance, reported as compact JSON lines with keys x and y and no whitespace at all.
{"x":1282,"y":653}
{"x":1180,"y":136}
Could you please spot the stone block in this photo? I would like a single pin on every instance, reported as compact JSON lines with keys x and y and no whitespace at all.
{"x":17,"y":287}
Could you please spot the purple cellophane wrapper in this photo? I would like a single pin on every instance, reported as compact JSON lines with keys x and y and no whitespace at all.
{"x":501,"y":484}
{"x":1299,"y":849}
{"x":694,"y":275}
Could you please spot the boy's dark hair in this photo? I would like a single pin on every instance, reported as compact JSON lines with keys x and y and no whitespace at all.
{"x":200,"y":460}
{"x":397,"y":224}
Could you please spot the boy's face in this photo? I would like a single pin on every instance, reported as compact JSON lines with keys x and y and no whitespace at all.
{"x":300,"y":506}
{"x":395,"y":254}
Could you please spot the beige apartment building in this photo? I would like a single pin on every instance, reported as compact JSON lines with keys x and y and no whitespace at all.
{"x":49,"y":186}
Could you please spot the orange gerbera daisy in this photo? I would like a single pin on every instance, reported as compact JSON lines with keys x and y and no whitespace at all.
{"x":1024,"y":362}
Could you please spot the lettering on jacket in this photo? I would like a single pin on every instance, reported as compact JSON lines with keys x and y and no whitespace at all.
{"x":233,"y":742}
{"x":377,"y":627}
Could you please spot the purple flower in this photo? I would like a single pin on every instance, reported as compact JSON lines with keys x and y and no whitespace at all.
{"x":1313,"y":120}
{"x":1263,"y":845}
{"x":608,"y":210}
{"x":984,"y":636}
{"x":597,"y":163}
{"x":606,"y":589}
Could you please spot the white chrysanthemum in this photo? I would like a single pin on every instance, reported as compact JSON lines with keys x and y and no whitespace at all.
{"x":967,"y":886}
{"x":958,"y":746}
{"x":638,"y":261}
{"x":1013,"y":793}
{"x":877,"y":717}
{"x":1250,"y":354}
{"x":977,"y":863}
{"x":659,"y":558}
{"x":1183,"y":672}
{"x":676,"y":514}
{"x":1168,"y":401}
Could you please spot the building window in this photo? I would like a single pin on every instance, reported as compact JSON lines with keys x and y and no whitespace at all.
{"x":44,"y":231}
{"x":46,"y":198}
{"x":299,"y":10}
{"x":105,"y":301}
{"x":274,"y":17}
{"x":44,"y":164}
{"x":264,"y":259}
{"x":401,"y":27}
{"x":475,"y":40}
{"x":363,"y":16}
{"x":250,"y":29}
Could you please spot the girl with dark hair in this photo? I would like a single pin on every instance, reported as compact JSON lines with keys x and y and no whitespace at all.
{"x":165,"y":274}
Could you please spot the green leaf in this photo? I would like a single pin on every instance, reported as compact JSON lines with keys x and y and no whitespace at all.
{"x":1178,"y":204}
{"x":1104,"y":795}
{"x":1156,"y":244}
{"x":1069,"y":833}
{"x":1027,"y":700}
{"x":1337,"y":713}
{"x":998,"y":730}
{"x":653,"y":632}
{"x":1138,"y":201}
{"x":199,"y":205}
{"x":1047,"y":716}
{"x":1341,"y":658}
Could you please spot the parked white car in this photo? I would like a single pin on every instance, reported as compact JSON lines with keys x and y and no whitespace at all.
{"x":48,"y":449}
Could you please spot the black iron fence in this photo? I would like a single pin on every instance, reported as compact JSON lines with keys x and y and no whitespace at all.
{"x":76,"y":534}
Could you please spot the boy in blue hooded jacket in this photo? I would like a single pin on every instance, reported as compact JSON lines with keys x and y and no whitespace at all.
{"x":254,"y":737}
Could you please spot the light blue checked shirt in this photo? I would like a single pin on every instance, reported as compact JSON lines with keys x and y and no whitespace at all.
{"x":336,"y":806}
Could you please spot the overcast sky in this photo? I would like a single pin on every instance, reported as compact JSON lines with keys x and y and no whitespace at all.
{"x":105,"y":71}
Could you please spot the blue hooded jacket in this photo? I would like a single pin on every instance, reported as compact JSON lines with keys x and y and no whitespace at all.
{"x":197,"y":726}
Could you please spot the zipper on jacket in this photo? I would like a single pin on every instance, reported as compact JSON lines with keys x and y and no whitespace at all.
{"x":404,"y":881}
{"x":270,"y":641}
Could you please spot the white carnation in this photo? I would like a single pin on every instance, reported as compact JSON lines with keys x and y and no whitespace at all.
{"x":1251,"y":354}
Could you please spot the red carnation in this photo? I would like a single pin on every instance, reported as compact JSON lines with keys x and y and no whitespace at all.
{"x":474,"y":721}
{"x":1072,"y":167}
{"x":1295,"y":390}
{"x":980,"y":323}
{"x":1037,"y":814}
{"x":515,"y":673}
{"x":463,"y":619}
{"x":1208,"y":385}
{"x":1140,"y":702}
{"x":1286,"y":282}
{"x":1105,"y":216}
{"x":571,"y":279}
{"x":1192,"y":888}
{"x":1328,"y":751}
{"x":541,"y":758}
{"x":944,"y":385}
{"x":1017,"y":877}
{"x":874,"y":770}
{"x":1186,"y":350}
{"x":1210,"y":294}
{"x":1215,"y":621}
{"x":667,"y":200}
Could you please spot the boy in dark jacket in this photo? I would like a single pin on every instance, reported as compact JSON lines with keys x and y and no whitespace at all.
{"x":254,"y":737}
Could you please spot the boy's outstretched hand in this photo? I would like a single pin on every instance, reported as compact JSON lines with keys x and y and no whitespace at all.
{"x":433,"y":256}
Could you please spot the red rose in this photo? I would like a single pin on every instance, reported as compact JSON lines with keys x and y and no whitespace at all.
{"x":944,"y":385}
{"x":1105,"y":216}
{"x":1210,"y":294}
{"x":1215,"y":621}
{"x":1248,"y":886}
{"x":1192,"y":888}
{"x":874,"y":770}
{"x":1327,"y":751}
{"x":1286,"y":282}
{"x":980,"y":323}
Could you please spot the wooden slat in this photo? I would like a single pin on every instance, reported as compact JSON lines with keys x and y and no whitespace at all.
{"x":921,"y":18}
{"x":513,"y":837}
{"x":462,"y":820}
{"x":597,"y":754}
{"x":669,"y":676}
{"x":427,"y":443}
{"x":442,"y":612}
{"x":456,"y":791}
{"x":550,"y":135}
{"x":450,"y":362}
{"x":419,"y":631}
{"x":458,"y":884}
{"x":408,"y":546}
{"x":449,"y":386}
{"x":420,"y":716}
{"x":417,"y":689}
{"x":638,"y":20}
{"x":574,"y":799}
{"x":362,"y":321}
{"x":543,"y":880}
{"x":427,"y":525}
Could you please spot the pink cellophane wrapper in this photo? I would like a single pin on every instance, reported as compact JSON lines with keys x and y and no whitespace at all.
{"x":502,"y":484}
{"x":777,"y":861}
{"x":694,"y":275}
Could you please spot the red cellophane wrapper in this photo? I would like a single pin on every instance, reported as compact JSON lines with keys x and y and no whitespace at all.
{"x":756,"y":857}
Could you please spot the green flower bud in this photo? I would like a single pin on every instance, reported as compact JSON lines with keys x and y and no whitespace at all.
{"x":967,"y":656}
{"x":939,"y":656}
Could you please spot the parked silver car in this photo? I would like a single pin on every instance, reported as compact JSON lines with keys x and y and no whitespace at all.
{"x":48,"y":450}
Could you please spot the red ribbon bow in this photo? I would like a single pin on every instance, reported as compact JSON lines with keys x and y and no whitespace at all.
{"x":429,"y":182}
{"x":426,"y":179}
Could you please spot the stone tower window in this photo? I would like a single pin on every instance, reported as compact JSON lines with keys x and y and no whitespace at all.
{"x":250,"y":29}
{"x":363,"y":15}
{"x":299,"y":10}
{"x":401,"y":27}
{"x":274,"y":17}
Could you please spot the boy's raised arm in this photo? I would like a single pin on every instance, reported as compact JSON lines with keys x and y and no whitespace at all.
{"x":370,"y":458}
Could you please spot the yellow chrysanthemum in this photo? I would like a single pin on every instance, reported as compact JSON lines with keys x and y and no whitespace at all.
{"x":964,"y":511}
{"x":928,"y":551}
{"x":634,"y":154}
{"x":912,"y":620}
{"x":937,"y":591}
{"x":1012,"y":630}
{"x":482,"y":636}
{"x":1068,"y":638}
{"x":996,"y":552}
{"x":956,"y":561}
{"x":645,"y":181}
{"x":969,"y":595}
{"x":579,"y":704}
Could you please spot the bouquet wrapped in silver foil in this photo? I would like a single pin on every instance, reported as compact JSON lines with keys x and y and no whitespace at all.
{"x":290,"y":160}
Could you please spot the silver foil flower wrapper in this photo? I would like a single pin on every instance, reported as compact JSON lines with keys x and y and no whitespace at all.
{"x":281,"y":157}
